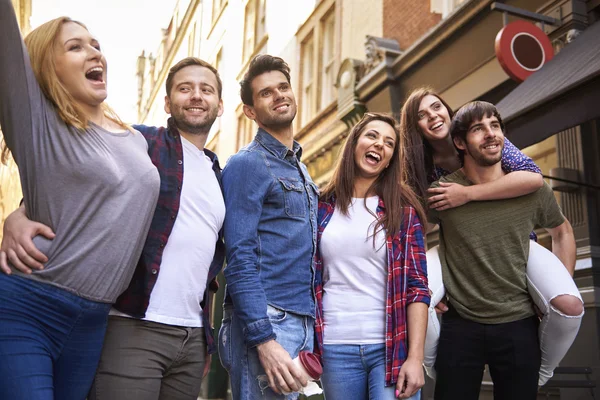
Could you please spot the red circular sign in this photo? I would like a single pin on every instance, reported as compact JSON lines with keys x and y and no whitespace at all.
{"x":522,"y":48}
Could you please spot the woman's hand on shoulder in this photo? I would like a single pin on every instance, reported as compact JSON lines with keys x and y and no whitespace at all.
{"x":447,"y":195}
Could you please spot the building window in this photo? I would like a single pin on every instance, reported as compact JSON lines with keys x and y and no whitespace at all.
{"x":249,"y":19}
{"x":328,"y":60}
{"x":254,"y":26}
{"x":216,"y":8}
{"x":245,"y":130}
{"x":445,"y":7}
{"x":218,"y":64}
{"x":192,"y":40}
{"x":219,"y":60}
{"x":308,"y":82}
{"x":318,"y":61}
{"x":261,"y":19}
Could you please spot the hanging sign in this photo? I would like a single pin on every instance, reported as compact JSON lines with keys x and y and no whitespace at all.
{"x":522,"y":48}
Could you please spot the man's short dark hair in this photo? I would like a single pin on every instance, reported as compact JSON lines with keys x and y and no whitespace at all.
{"x":466,"y":115}
{"x":186,"y":62}
{"x":259,"y":65}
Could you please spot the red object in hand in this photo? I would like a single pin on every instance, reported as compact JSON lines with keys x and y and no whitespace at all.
{"x":311,"y":364}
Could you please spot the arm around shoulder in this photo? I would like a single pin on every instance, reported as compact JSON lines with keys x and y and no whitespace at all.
{"x":514,"y":184}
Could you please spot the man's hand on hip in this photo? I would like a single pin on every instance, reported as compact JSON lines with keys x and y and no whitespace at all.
{"x":282,"y":373}
{"x":17,"y":243}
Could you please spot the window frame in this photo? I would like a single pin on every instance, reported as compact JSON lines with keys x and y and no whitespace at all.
{"x":315,"y":29}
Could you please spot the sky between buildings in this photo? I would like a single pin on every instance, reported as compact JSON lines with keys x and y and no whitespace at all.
{"x":124,"y":28}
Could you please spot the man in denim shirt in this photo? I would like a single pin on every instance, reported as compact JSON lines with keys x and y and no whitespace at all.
{"x":270,"y":231}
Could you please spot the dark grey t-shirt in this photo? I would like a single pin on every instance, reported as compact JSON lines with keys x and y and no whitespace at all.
{"x":97,"y":190}
{"x":484,"y":247}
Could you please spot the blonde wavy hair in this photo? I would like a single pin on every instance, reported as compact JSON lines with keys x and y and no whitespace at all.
{"x":41,"y":46}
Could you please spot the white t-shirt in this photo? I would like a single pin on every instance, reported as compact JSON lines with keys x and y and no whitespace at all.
{"x":176,"y":296}
{"x":354,"y":277}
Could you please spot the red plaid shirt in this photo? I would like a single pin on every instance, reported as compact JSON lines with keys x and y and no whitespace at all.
{"x":166,"y":152}
{"x":406,"y":283}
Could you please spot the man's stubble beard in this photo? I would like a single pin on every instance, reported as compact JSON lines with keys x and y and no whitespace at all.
{"x":275,"y":122}
{"x":482,"y":160}
{"x":202,"y":128}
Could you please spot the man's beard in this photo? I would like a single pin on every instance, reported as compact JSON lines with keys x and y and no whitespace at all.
{"x":197,"y":128}
{"x":276,"y":121}
{"x":483,"y":160}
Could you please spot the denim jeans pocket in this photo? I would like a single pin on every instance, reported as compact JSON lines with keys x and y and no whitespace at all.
{"x":275,"y":314}
{"x":225,"y":343}
{"x":294,"y":197}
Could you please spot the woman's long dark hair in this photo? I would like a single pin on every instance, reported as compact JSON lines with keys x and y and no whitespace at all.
{"x":391,"y":185}
{"x":419,"y":153}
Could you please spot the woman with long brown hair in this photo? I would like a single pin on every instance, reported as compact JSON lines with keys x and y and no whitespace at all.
{"x":371,"y":274}
{"x":425,"y":120}
{"x":88,"y":177}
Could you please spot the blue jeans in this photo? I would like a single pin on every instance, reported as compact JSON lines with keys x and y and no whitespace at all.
{"x":356,"y":372}
{"x":50,"y":341}
{"x":295,"y":333}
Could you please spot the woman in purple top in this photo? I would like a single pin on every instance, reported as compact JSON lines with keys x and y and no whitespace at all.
{"x":425,"y":122}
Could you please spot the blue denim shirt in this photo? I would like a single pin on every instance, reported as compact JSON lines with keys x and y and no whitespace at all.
{"x":270,"y":234}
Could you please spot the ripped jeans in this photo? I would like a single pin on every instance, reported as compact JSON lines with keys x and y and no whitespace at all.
{"x":547,"y":278}
{"x":246,"y":375}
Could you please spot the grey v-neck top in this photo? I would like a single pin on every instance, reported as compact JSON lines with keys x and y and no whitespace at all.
{"x":97,"y":190}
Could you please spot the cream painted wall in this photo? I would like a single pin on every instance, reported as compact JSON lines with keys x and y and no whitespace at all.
{"x":156,"y":115}
{"x":225,"y":35}
{"x":544,"y":154}
{"x":360,"y":18}
{"x":23,"y":11}
{"x":480,"y":81}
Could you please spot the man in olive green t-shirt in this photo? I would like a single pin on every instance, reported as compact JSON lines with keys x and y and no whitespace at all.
{"x":484,"y":248}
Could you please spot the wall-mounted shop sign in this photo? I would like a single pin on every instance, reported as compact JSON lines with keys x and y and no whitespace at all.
{"x":522,"y":48}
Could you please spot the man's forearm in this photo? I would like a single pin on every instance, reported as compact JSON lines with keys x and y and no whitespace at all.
{"x":564,"y":247}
